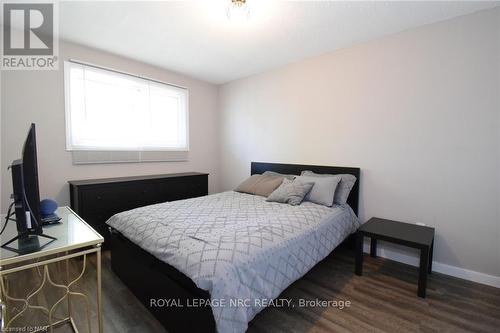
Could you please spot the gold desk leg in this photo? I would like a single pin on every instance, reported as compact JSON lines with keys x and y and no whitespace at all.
{"x":68,"y":283}
{"x":47,"y":278}
{"x":3,"y":306}
{"x":99,"y":293}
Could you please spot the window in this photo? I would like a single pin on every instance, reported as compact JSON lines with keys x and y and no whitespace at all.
{"x":110,"y":111}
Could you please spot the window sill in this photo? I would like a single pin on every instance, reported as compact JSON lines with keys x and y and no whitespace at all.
{"x":105,"y":157}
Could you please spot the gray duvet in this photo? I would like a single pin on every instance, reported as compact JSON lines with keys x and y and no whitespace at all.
{"x":240,"y":248}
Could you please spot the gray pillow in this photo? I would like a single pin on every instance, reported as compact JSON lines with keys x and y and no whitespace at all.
{"x":291,"y":192}
{"x":323,"y":190}
{"x":272,"y":173}
{"x":343,"y":189}
{"x":260,"y":185}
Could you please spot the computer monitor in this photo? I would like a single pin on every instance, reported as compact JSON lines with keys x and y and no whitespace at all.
{"x":25,"y":186}
{"x":30,"y":180}
{"x":26,"y":193}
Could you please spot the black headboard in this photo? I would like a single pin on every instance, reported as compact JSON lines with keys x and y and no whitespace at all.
{"x":296,"y":169}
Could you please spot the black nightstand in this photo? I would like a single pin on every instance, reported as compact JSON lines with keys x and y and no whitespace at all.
{"x":411,"y":235}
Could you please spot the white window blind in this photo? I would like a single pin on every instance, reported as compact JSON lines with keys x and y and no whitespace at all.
{"x":111,"y":111}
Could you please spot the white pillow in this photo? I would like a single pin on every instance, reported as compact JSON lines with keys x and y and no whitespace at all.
{"x":343,"y":189}
{"x":323,"y":189}
{"x":291,"y":192}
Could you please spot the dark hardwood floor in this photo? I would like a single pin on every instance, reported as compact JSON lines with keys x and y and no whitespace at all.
{"x":382,"y":300}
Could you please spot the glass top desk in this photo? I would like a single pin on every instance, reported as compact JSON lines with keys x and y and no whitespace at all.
{"x":75,"y":238}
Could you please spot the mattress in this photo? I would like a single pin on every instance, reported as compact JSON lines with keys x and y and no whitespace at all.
{"x":238,"y":247}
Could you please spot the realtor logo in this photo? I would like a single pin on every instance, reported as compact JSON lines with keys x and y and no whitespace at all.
{"x":29,"y":36}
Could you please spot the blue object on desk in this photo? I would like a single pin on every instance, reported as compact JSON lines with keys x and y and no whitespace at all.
{"x":47,"y":207}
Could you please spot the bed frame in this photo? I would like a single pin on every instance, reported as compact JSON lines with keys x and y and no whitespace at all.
{"x":151,"y":279}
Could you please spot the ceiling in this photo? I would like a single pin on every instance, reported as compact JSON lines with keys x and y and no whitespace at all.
{"x":196,"y":37}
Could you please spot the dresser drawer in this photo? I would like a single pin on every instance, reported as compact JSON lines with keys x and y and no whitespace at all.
{"x":117,"y":198}
{"x":177,"y":189}
{"x":198,"y":186}
{"x":96,"y":201}
{"x":97,"y":218}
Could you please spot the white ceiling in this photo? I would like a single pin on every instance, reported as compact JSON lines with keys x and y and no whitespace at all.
{"x":196,"y":38}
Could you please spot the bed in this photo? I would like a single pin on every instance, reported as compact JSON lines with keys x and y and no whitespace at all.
{"x":208,"y":263}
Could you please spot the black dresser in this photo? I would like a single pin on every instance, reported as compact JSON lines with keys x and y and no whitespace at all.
{"x":96,"y":200}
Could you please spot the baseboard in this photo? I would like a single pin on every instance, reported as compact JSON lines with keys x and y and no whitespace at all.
{"x":458,"y":272}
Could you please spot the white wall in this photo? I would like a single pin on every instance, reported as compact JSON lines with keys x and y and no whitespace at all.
{"x":1,"y":140}
{"x":418,"y":112}
{"x":38,"y":96}
{"x":498,"y":134}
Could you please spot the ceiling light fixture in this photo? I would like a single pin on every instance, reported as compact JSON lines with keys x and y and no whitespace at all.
{"x":238,"y":10}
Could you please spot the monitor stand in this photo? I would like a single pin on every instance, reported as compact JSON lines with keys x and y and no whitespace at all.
{"x":28,"y":242}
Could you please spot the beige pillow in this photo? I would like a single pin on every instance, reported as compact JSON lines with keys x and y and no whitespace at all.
{"x":260,"y":184}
